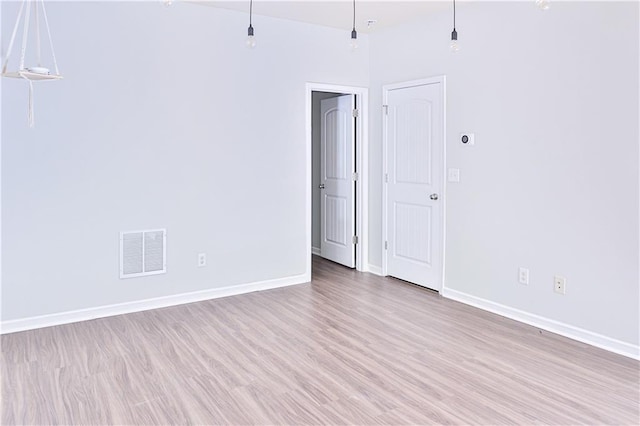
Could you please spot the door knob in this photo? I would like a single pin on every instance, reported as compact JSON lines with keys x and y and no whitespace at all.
{"x":434,"y":197}
{"x":321,"y":186}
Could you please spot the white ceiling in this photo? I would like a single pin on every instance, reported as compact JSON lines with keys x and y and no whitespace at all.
{"x":337,"y":13}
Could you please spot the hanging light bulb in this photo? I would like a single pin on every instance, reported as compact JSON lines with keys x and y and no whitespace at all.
{"x":543,"y":4}
{"x":454,"y":46}
{"x":353,"y":42}
{"x":251,"y":39}
{"x":167,"y":3}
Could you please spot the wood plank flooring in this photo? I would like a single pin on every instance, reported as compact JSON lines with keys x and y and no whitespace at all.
{"x":348,"y":348}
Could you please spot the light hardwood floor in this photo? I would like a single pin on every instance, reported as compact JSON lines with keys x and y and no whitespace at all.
{"x":348,"y":348}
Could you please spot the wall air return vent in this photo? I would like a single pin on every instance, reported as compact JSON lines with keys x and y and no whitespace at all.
{"x":143,"y":253}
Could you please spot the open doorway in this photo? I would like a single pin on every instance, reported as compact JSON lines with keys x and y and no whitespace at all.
{"x":334,"y":177}
{"x":337,"y":174}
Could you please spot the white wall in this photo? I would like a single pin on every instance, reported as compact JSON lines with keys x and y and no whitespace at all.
{"x":552,"y":183}
{"x":164,"y":119}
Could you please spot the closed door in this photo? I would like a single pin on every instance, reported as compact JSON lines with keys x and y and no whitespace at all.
{"x":337,"y":198}
{"x":414,"y":134}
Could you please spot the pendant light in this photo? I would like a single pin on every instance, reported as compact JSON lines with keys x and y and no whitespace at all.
{"x":353,"y":43}
{"x":251,"y":40}
{"x":454,"y":34}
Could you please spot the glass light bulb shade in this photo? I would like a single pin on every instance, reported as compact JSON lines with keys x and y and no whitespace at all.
{"x":454,"y":46}
{"x":167,"y":3}
{"x":353,"y":42}
{"x":543,"y":4}
{"x":251,"y":42}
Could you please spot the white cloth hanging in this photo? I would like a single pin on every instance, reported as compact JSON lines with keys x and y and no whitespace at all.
{"x":36,"y":73}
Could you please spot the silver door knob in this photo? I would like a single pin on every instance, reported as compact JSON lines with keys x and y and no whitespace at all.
{"x":321,"y":186}
{"x":434,"y":197}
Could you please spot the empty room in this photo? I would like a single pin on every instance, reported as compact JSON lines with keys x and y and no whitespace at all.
{"x":313,"y":212}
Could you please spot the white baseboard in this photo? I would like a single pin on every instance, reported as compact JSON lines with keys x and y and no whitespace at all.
{"x":147,"y":304}
{"x":566,"y":330}
{"x":316,"y":251}
{"x":376,"y":270}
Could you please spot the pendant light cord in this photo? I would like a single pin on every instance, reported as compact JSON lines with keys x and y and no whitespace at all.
{"x":454,"y":14}
{"x":250,"y":11}
{"x":354,"y":15}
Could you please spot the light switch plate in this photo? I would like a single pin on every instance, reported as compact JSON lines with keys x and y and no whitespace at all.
{"x":453,"y":175}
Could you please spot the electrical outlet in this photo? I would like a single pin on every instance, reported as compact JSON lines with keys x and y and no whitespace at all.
{"x":523,"y":276}
{"x":559,"y":284}
{"x":202,"y":260}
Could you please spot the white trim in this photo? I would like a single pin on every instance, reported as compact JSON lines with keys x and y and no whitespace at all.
{"x":1,"y":185}
{"x":374,"y":269}
{"x":443,"y":87}
{"x":316,"y":251}
{"x":145,"y":305}
{"x":362,"y":167}
{"x":308,"y":179}
{"x":566,"y":330}
{"x":442,"y":80}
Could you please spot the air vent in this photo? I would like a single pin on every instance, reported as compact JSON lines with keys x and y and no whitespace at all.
{"x":143,"y":253}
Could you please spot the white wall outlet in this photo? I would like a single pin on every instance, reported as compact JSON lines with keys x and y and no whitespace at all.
{"x":202,"y":260}
{"x":559,"y":284}
{"x":453,"y":175}
{"x":467,"y":138}
{"x":523,"y":276}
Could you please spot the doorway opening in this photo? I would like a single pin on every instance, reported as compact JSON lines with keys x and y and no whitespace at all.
{"x":337,"y":172}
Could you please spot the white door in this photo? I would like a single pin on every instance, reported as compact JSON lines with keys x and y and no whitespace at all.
{"x":337,"y":197}
{"x":414,"y":134}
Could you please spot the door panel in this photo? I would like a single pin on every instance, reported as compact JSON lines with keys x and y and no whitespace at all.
{"x":337,"y":199}
{"x":336,"y":138}
{"x":415,"y":149}
{"x":413,"y":142}
{"x":335,"y":218}
{"x":412,"y":239}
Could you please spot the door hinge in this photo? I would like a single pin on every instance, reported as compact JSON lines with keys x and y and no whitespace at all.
{"x":386,"y":245}
{"x":355,"y":239}
{"x":356,"y":113}
{"x":386,"y":178}
{"x":386,"y":109}
{"x":355,"y":176}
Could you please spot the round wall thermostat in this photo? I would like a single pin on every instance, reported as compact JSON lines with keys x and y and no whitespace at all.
{"x":467,"y":138}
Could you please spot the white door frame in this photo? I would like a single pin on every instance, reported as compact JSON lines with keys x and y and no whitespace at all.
{"x":385,"y":98}
{"x":362,"y":167}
